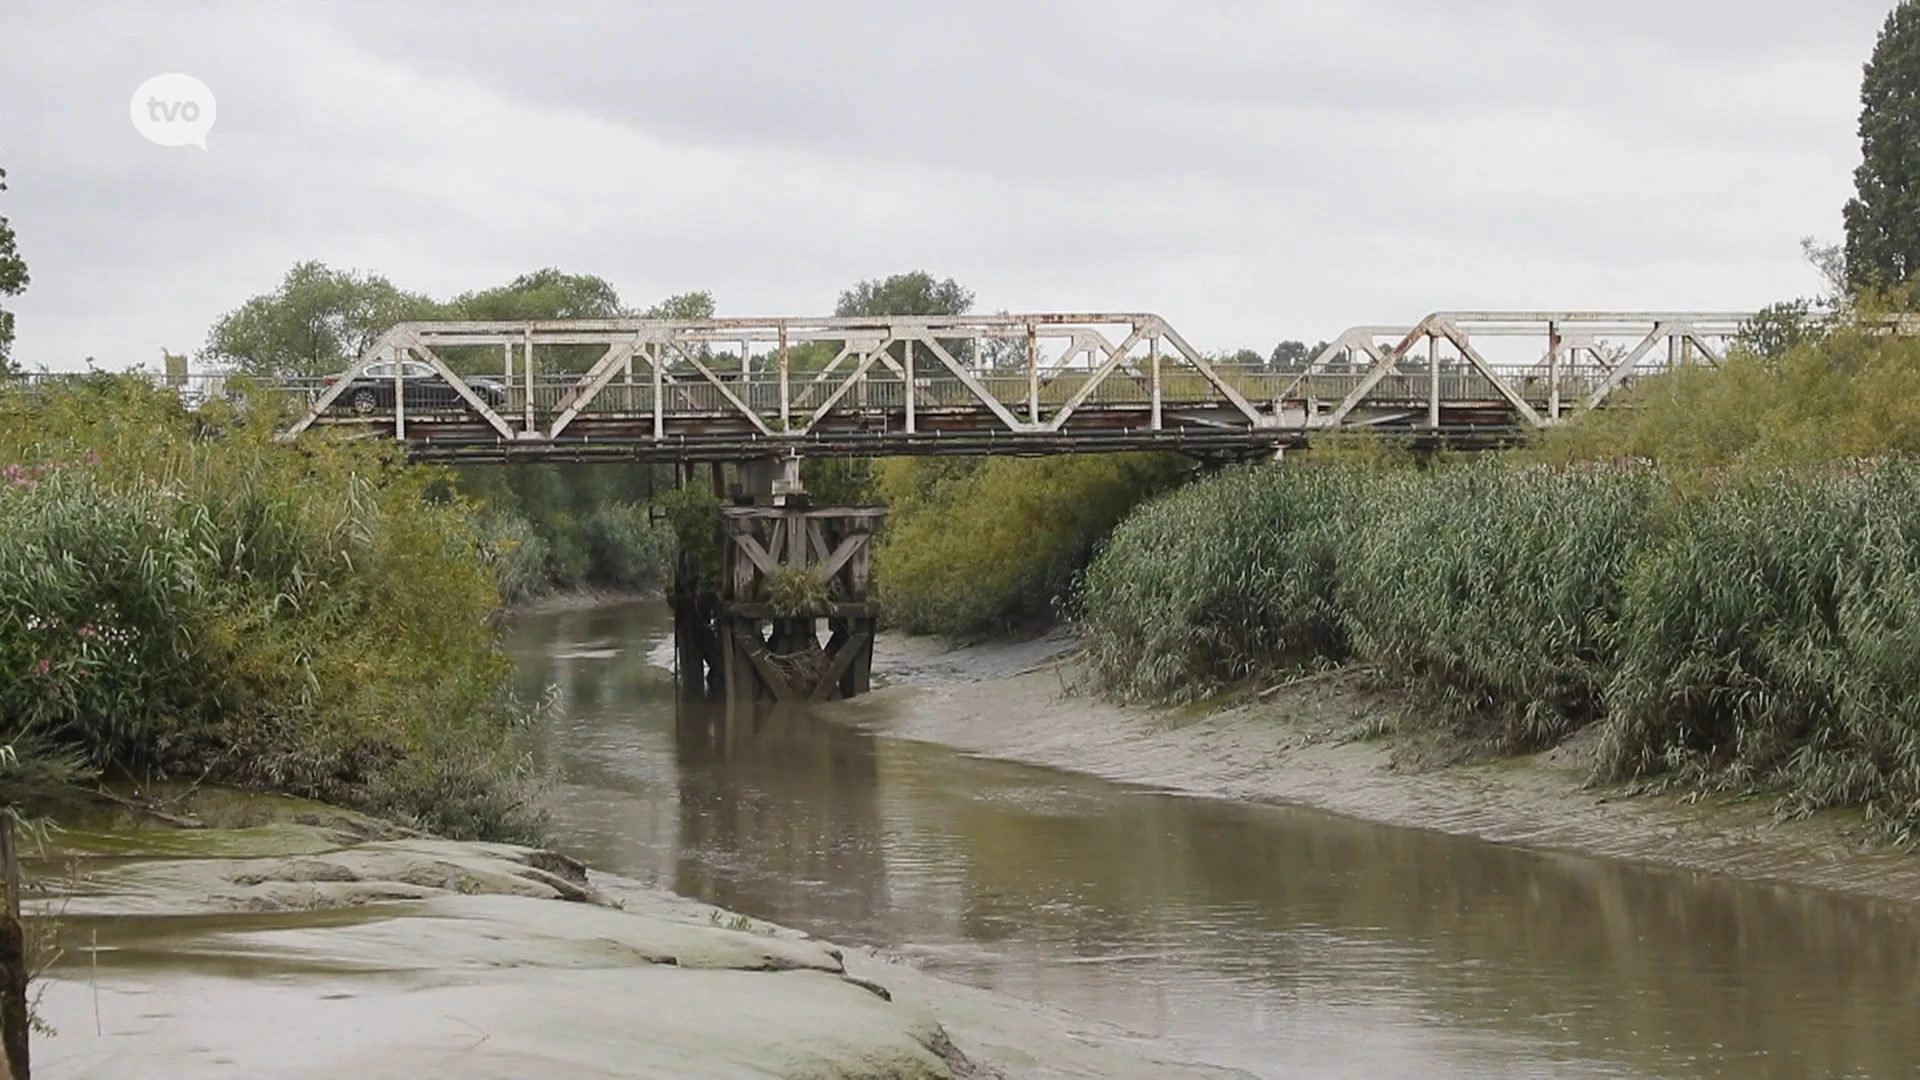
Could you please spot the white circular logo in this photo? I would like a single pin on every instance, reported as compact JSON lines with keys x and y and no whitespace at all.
{"x":173,"y":110}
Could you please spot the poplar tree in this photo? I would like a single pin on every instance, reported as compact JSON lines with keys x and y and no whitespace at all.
{"x":13,"y":280}
{"x":1883,"y":219}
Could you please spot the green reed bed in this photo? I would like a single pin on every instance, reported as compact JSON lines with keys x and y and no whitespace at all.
{"x":1223,"y":579}
{"x":1764,"y":634}
{"x":1772,"y":639}
{"x":1494,"y":591}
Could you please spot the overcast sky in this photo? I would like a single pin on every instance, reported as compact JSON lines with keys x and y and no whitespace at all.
{"x":1251,"y":171}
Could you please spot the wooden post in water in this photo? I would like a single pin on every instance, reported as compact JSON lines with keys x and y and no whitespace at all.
{"x":13,"y":959}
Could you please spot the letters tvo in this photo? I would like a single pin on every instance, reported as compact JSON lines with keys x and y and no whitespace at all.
{"x":166,"y":112}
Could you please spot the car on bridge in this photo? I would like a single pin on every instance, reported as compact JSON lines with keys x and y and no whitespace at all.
{"x":421,"y":388}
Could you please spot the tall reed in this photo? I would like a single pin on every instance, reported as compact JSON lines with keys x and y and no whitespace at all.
{"x":1220,"y":580}
{"x":1496,"y":591}
{"x":1755,"y":634}
{"x":1773,"y":640}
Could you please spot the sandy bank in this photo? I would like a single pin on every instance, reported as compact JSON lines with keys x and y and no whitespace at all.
{"x":1308,"y":745}
{"x":308,"y":950}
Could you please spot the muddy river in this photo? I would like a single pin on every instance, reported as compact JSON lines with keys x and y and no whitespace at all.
{"x":1280,"y":941}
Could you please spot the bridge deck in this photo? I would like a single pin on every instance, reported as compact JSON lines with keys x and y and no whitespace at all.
{"x":947,"y":419}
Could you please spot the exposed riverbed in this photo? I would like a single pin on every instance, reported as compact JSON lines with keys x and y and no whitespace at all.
{"x":1277,"y":940}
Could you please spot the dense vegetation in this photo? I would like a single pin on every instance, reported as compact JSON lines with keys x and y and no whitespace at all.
{"x":978,"y":546}
{"x":181,"y":596}
{"x":576,"y":526}
{"x":1723,"y":572}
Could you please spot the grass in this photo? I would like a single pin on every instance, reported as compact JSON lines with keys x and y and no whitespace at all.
{"x":797,"y":590}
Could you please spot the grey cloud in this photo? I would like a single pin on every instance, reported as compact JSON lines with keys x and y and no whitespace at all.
{"x":1252,"y":171}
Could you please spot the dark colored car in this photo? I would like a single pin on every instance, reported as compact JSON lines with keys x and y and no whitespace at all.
{"x":422,"y":387}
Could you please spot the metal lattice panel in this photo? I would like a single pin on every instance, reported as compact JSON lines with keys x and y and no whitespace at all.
{"x":643,"y":389}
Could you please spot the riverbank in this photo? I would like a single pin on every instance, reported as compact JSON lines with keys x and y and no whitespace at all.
{"x":1329,"y":743}
{"x":583,"y":598}
{"x":297,"y":940}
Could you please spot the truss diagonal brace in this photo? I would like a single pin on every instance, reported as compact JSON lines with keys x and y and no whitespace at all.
{"x":979,"y":391}
{"x":1193,"y":357}
{"x":1626,"y":365}
{"x":383,"y":345}
{"x":858,"y":374}
{"x":596,"y":380}
{"x":725,"y":392}
{"x":1114,"y":359}
{"x":459,"y":386}
{"x":1452,"y":333}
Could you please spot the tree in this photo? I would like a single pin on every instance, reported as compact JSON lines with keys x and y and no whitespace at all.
{"x":13,"y":281}
{"x":1291,"y":355}
{"x":1883,"y":219}
{"x":688,"y":305}
{"x":1777,"y":329}
{"x":317,"y":321}
{"x":915,"y":293}
{"x":544,"y":294}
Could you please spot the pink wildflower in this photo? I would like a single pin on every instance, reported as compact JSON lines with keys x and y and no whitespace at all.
{"x":45,"y":665}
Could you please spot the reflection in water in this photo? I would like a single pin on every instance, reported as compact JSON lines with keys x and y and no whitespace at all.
{"x":780,"y":816}
{"x":1286,"y":942}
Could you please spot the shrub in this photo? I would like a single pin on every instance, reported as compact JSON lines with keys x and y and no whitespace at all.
{"x":693,"y":525}
{"x":98,"y":600}
{"x":990,"y":546}
{"x":567,"y":558}
{"x":624,"y":549}
{"x":1809,"y":400}
{"x":181,"y":595}
{"x":517,"y":553}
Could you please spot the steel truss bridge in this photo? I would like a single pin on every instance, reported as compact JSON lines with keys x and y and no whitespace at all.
{"x":744,"y":389}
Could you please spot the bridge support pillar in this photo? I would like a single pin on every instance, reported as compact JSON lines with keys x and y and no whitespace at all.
{"x":777,"y":479}
{"x":786,"y":571}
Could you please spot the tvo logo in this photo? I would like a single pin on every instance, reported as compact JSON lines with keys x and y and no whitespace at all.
{"x":173,"y":110}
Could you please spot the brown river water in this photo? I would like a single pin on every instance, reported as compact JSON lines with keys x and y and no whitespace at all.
{"x":1277,"y":940}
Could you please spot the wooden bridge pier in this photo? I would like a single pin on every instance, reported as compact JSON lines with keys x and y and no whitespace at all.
{"x":785,"y":570}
